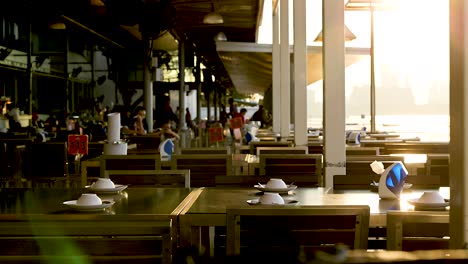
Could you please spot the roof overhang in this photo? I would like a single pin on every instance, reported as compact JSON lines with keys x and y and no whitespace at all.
{"x":249,"y":65}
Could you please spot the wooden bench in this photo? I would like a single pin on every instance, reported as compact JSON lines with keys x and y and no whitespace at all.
{"x":362,"y":151}
{"x":204,"y":151}
{"x":13,"y":153}
{"x":315,"y":147}
{"x":145,"y":142}
{"x":47,"y":164}
{"x":281,"y":232}
{"x":85,"y":238}
{"x":303,"y":169}
{"x":418,"y":230}
{"x":204,"y":168}
{"x":438,"y":165}
{"x":282,"y":150}
{"x":254,"y":145}
{"x":160,"y":178}
{"x":409,"y":147}
{"x":359,"y":174}
{"x":129,"y":162}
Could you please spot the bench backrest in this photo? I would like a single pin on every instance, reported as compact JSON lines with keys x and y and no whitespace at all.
{"x":303,"y":169}
{"x":417,"y":230}
{"x":203,"y":167}
{"x":280,"y":231}
{"x":130,"y":162}
{"x":162,"y":178}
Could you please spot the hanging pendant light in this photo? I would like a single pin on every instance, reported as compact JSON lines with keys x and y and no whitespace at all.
{"x":213,"y":17}
{"x":348,"y":35}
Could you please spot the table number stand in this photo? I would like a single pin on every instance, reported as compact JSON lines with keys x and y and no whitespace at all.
{"x":77,"y":146}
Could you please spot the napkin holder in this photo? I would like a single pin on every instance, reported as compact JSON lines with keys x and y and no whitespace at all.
{"x":166,"y":148}
{"x":354,"y":137}
{"x":118,"y":147}
{"x":392,"y":181}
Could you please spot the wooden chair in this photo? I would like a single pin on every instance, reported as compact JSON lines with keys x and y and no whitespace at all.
{"x":282,"y":150}
{"x":175,"y":178}
{"x":302,"y":169}
{"x":417,"y":230}
{"x":204,"y":151}
{"x":129,"y":162}
{"x":203,"y":167}
{"x":255,"y":145}
{"x":85,"y":238}
{"x":281,"y":229}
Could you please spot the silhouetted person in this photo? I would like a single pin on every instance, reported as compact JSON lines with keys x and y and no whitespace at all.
{"x":232,"y":108}
{"x":188,"y":118}
{"x":259,"y":115}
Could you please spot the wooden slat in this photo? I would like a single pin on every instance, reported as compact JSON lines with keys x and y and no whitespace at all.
{"x":204,"y":168}
{"x":32,"y":238}
{"x":305,"y":168}
{"x":417,"y":230}
{"x":174,"y":178}
{"x":282,"y":230}
{"x":129,"y":162}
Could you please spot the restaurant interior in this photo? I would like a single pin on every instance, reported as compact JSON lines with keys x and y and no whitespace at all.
{"x":359,"y":155}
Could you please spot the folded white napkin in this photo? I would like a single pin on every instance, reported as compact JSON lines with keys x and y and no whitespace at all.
{"x":377,"y":167}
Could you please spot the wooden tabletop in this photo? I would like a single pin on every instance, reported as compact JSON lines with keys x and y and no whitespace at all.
{"x":132,"y":201}
{"x":211,"y":204}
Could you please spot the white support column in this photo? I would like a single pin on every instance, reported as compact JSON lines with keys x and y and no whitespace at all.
{"x":276,"y":76}
{"x":458,"y":121}
{"x":148,"y":91}
{"x":333,"y":90}
{"x":285,"y":69}
{"x":300,"y":73}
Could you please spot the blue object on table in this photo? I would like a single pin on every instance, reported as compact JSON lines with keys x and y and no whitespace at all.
{"x":248,"y":137}
{"x":166,"y":148}
{"x":392,"y":181}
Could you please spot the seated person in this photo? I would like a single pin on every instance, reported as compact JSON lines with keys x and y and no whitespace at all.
{"x":165,"y":131}
{"x":138,"y":126}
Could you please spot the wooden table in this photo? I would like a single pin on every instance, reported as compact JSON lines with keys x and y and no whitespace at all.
{"x":136,"y":200}
{"x":383,"y":136}
{"x":209,"y":209}
{"x":139,"y":216}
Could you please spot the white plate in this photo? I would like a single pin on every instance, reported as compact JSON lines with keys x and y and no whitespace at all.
{"x":118,"y":188}
{"x":263,"y":188}
{"x":418,"y":204}
{"x":286,"y":202}
{"x":88,"y":208}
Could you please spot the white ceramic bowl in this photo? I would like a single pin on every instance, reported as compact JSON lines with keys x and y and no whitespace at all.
{"x":103,"y":183}
{"x":431,"y":197}
{"x":89,"y":199}
{"x":271,"y":198}
{"x":276,"y":183}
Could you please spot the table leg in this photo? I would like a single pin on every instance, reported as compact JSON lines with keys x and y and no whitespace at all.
{"x":84,"y":173}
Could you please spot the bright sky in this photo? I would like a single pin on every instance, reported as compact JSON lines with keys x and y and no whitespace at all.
{"x":411,"y":48}
{"x":407,"y":17}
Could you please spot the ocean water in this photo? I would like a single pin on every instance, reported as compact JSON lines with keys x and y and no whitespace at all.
{"x":433,"y":128}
